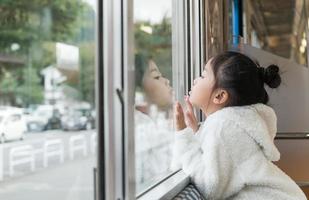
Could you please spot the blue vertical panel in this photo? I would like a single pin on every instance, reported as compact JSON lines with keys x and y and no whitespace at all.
{"x":235,"y":17}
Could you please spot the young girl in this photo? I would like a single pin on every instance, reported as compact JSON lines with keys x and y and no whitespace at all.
{"x":230,"y":156}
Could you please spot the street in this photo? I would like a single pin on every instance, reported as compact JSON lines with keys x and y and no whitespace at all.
{"x":49,"y":165}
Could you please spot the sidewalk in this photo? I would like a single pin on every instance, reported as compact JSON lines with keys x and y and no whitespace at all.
{"x":70,"y":181}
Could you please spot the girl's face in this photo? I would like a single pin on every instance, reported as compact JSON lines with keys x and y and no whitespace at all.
{"x":156,"y":87}
{"x":202,"y":94}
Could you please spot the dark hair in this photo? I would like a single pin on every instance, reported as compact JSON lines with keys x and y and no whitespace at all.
{"x":140,"y":68}
{"x":243,"y":78}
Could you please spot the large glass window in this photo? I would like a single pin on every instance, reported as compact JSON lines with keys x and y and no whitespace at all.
{"x":47,"y":99}
{"x":153,"y":93}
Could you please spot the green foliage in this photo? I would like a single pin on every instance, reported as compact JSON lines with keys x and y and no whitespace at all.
{"x":28,"y":90}
{"x":87,"y":72}
{"x":35,"y":26}
{"x":85,"y":40}
{"x":28,"y":22}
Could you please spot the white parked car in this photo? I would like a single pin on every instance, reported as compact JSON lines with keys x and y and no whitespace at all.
{"x":12,"y":124}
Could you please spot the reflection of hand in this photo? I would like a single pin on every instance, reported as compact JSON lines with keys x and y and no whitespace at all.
{"x":179,"y":117}
{"x":181,"y":120}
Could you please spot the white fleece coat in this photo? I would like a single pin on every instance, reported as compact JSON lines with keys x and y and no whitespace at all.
{"x":231,"y":155}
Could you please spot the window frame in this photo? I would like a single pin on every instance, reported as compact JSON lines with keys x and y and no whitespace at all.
{"x":114,"y":70}
{"x":167,"y":188}
{"x":115,"y":89}
{"x":187,"y":62}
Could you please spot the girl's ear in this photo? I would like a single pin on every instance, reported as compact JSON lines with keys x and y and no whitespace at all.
{"x":221,"y":97}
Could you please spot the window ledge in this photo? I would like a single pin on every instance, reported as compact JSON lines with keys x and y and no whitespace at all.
{"x":168,"y":188}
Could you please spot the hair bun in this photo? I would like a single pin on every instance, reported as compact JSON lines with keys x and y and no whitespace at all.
{"x":270,"y":75}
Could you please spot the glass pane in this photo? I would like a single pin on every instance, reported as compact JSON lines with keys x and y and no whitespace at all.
{"x":47,"y":99}
{"x":280,"y":27}
{"x":154,"y":94}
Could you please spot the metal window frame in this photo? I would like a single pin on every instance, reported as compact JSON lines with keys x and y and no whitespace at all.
{"x":197,"y":27}
{"x":188,"y":56}
{"x":180,"y":48}
{"x":115,"y":85}
{"x":115,"y":99}
{"x":99,"y":184}
{"x":129,"y":98}
{"x":188,"y":38}
{"x":168,"y":188}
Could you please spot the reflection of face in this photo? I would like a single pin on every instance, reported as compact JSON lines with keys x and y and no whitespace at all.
{"x":200,"y":95}
{"x":156,"y":87}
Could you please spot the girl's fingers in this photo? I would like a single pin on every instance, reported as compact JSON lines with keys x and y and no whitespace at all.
{"x":190,"y":118}
{"x":191,"y":121}
{"x":184,"y":119}
{"x":189,"y":105}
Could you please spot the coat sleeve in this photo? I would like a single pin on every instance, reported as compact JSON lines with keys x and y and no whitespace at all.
{"x":207,"y":162}
{"x":182,"y":139}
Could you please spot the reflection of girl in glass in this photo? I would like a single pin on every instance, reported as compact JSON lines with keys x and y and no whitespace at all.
{"x":156,"y":87}
{"x":152,"y":127}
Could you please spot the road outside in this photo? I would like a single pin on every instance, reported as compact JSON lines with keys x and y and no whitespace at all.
{"x":49,"y":165}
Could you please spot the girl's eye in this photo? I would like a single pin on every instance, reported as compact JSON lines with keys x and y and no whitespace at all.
{"x":157,"y":77}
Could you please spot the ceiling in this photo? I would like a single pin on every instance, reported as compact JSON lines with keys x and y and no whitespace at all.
{"x":277,"y":19}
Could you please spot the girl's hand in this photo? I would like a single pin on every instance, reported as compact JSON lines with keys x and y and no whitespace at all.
{"x":191,"y":120}
{"x":183,"y":120}
{"x":179,"y":118}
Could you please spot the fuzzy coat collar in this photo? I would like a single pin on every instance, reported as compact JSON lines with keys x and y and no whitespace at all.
{"x":258,"y":120}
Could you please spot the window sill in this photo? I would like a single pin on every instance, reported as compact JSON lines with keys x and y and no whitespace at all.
{"x":168,"y":188}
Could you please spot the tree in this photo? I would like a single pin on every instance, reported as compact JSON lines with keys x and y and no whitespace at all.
{"x":85,"y":40}
{"x":29,"y":26}
{"x":27,"y":23}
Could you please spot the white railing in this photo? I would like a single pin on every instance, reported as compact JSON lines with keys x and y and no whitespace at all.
{"x":93,"y":143}
{"x":53,"y":148}
{"x":19,"y":156}
{"x":77,"y":143}
{"x":45,"y":153}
